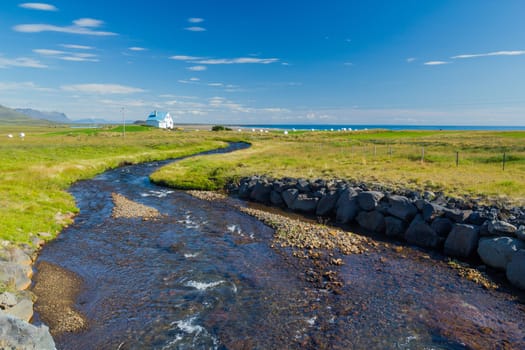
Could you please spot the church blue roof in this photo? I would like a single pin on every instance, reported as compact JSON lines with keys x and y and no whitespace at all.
{"x":155,"y":115}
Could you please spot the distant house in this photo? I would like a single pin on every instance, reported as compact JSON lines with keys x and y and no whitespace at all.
{"x":161,"y":120}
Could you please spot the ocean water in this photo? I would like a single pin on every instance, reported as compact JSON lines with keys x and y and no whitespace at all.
{"x":387,"y":127}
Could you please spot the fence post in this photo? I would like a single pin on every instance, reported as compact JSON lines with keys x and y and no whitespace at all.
{"x":375,"y":150}
{"x":504,"y":160}
{"x":422,"y":154}
{"x":457,"y":159}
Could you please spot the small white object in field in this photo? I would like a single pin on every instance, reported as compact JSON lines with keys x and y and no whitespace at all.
{"x":10,"y":136}
{"x":286,"y":132}
{"x":22,"y":135}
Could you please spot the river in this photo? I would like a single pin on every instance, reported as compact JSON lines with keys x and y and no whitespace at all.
{"x":206,"y":276}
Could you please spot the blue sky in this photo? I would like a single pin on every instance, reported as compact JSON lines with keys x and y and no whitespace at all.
{"x":458,"y":62}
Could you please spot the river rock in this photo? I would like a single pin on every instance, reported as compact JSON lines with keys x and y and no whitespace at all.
{"x":347,"y":206}
{"x":394,"y":227}
{"x":442,"y":226}
{"x":520,"y":233}
{"x":497,"y":251}
{"x":421,"y":234}
{"x":457,"y":215}
{"x":305,"y":203}
{"x":289,"y":196}
{"x":261,"y":192}
{"x":516,"y":269}
{"x":7,"y":300}
{"x":22,"y":310}
{"x":462,"y":241}
{"x":431,"y":211}
{"x":327,"y":203}
{"x":401,"y":207}
{"x":275,"y":198}
{"x":501,"y":228}
{"x":371,"y":220}
{"x":16,"y":274}
{"x":18,"y":334}
{"x":368,"y":200}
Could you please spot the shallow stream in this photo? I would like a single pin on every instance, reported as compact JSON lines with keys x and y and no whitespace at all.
{"x":204,"y":276}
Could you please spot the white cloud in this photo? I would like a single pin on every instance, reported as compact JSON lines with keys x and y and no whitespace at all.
{"x":216,"y":84}
{"x":197,"y":68}
{"x":77,"y":47}
{"x":194,"y":79}
{"x":195,"y":20}
{"x":185,"y":58}
{"x":101,"y":89}
{"x":411,"y":59}
{"x":136,"y":48}
{"x":495,"y":53}
{"x":195,"y":29}
{"x":348,"y":64}
{"x":240,"y":60}
{"x":38,"y":6}
{"x":27,"y":85}
{"x":435,"y":63}
{"x":20,"y":62}
{"x":82,"y":26}
{"x":67,"y":56}
{"x":88,"y":22}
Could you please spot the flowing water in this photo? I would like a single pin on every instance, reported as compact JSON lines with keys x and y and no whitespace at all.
{"x":204,"y":276}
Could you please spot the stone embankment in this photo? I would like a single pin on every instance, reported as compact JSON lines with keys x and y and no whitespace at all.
{"x":460,"y":229}
{"x":16,"y":302}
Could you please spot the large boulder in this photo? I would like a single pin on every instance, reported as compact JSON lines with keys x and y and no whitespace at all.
{"x":327,"y":203}
{"x":394,"y":227}
{"x":368,"y":200}
{"x":371,"y":220}
{"x":462,"y":241}
{"x":275,"y":198}
{"x":401,"y":207}
{"x":457,"y":215}
{"x":497,"y":252}
{"x":305,"y":203}
{"x":431,"y":211}
{"x":421,"y":234}
{"x":347,"y":206}
{"x":516,"y":269}
{"x":22,"y":310}
{"x":501,"y":228}
{"x":16,"y":274}
{"x":303,"y":186}
{"x":442,"y":226}
{"x":261,"y":192}
{"x":18,"y":334}
{"x":289,"y":196}
{"x":520,"y":234}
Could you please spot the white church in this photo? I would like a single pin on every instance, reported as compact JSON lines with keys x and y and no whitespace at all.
{"x":160,"y":120}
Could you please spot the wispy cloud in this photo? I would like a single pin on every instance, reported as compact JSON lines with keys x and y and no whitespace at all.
{"x":77,"y":47}
{"x":26,"y":85}
{"x":20,"y":62}
{"x":185,"y":58}
{"x":82,"y":26}
{"x":495,"y":53}
{"x":137,"y":48}
{"x":67,"y":56}
{"x":348,"y":64}
{"x":195,"y":29}
{"x":411,"y":59}
{"x":239,"y":60}
{"x":435,"y":63}
{"x":197,"y":68}
{"x":216,"y":84}
{"x":101,"y":89}
{"x":38,"y":6}
{"x":195,"y":20}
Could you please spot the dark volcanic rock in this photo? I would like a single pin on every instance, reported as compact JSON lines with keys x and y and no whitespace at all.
{"x":368,"y":200}
{"x":432,"y":211}
{"x":421,"y":234}
{"x":261,"y":192}
{"x":498,"y":251}
{"x":462,"y":241}
{"x":327,"y":203}
{"x":394,"y":227}
{"x":305,"y":203}
{"x":516,"y":269}
{"x":347,"y":206}
{"x":372,"y":220}
{"x":442,"y":226}
{"x":276,"y":199}
{"x":401,"y":207}
{"x":457,"y":215}
{"x":289,"y":196}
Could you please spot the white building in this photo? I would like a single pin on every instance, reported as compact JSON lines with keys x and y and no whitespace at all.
{"x":161,"y":120}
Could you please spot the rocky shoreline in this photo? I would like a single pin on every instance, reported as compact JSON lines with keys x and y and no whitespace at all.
{"x":460,"y":229}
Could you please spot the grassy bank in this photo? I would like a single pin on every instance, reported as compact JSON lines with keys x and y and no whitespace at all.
{"x":422,"y":160}
{"x":36,"y":171}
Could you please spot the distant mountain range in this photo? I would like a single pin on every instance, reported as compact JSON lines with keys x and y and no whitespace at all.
{"x":56,"y":117}
{"x":9,"y":116}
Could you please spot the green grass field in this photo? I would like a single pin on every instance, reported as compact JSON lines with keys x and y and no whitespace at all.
{"x":35,"y":172}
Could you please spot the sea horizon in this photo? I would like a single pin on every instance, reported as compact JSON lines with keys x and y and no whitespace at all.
{"x":394,"y":127}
